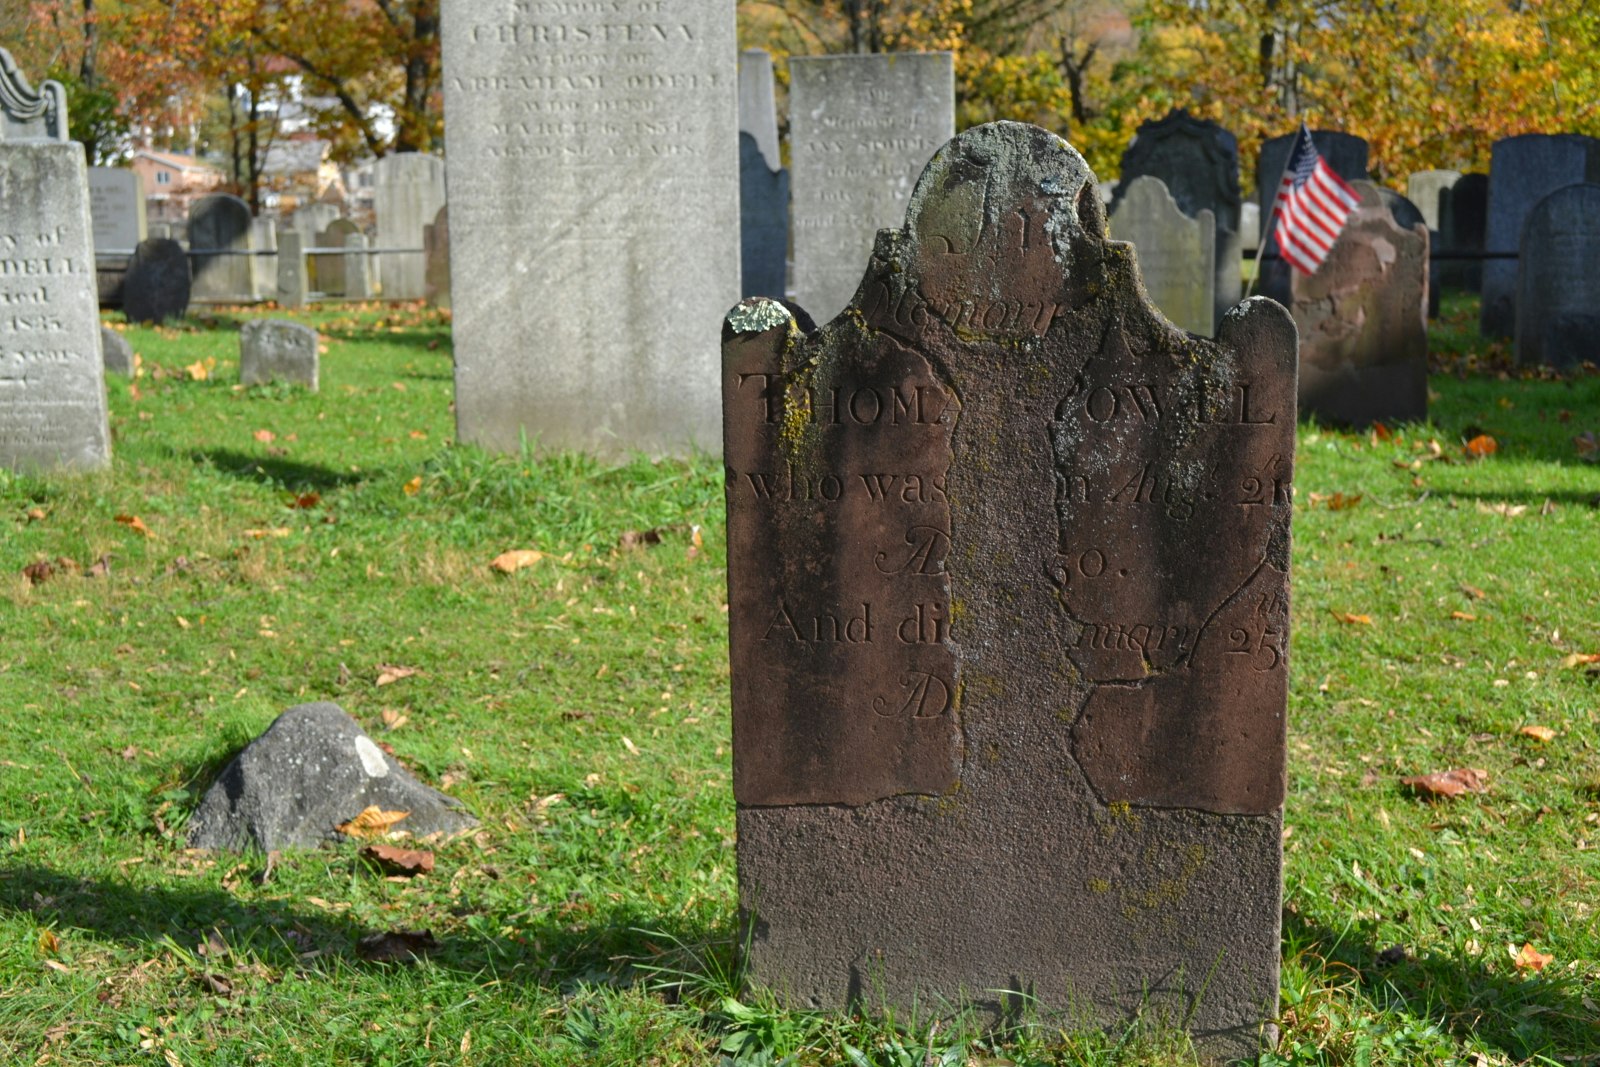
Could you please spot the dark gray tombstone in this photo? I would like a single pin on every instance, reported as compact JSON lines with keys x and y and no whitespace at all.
{"x":1558,"y":283}
{"x":1198,"y":162}
{"x":1176,"y":253}
{"x":276,"y":350}
{"x":159,"y":282}
{"x":1344,"y":152}
{"x":52,"y":375}
{"x":763,"y":223}
{"x":1464,"y":210}
{"x":1362,"y":321}
{"x":1523,"y":171}
{"x":221,"y":223}
{"x":1008,"y":575}
{"x":436,"y":239}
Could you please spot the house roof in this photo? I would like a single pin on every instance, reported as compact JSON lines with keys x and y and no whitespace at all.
{"x":176,"y":160}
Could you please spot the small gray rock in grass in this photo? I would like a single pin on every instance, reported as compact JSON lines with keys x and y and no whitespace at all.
{"x":313,"y":769}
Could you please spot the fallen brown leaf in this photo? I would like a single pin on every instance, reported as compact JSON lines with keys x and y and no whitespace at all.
{"x":516,"y":559}
{"x":198,"y":371}
{"x":1473,"y":591}
{"x":406,"y":861}
{"x":1482,"y":445}
{"x":413,"y":487}
{"x":1529,"y":958}
{"x":266,"y":437}
{"x":1353,"y":620}
{"x":36,"y":514}
{"x":371,"y":822}
{"x":306,"y":501}
{"x":1510,"y":511}
{"x":1464,"y":616}
{"x":392,"y":719}
{"x":49,"y":943}
{"x":1580,"y":659}
{"x":276,"y":531}
{"x":38,"y":573}
{"x":396,"y":946}
{"x":1538,"y":733}
{"x":99,"y":568}
{"x":1449,"y":783}
{"x":136,"y":524}
{"x":388,"y":673}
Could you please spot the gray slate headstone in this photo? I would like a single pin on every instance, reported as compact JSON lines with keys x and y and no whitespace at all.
{"x":1465,"y":207}
{"x":116,"y":352}
{"x":52,"y":377}
{"x":763,"y":183}
{"x":294,"y":283}
{"x":117,"y":209}
{"x":1558,"y":285}
{"x":1344,"y":152}
{"x":312,"y":770}
{"x":1008,"y":572}
{"x":861,"y":128}
{"x":357,"y":267}
{"x":1176,"y":253}
{"x":408,"y":191}
{"x":1363,"y":324}
{"x":312,"y":219}
{"x":1198,"y":162}
{"x":221,"y":222}
{"x":1523,"y":171}
{"x":758,"y":105}
{"x":594,"y":221}
{"x":1407,"y":215}
{"x":329,"y":270}
{"x":1425,"y":188}
{"x":436,"y":239}
{"x":275,"y":350}
{"x":158,"y":283}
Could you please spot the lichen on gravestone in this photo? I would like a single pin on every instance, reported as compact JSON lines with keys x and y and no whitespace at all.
{"x":1008,"y":580}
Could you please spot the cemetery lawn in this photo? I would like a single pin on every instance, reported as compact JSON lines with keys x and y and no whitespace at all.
{"x":256,"y":548}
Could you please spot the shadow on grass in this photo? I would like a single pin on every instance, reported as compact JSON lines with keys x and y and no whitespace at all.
{"x":556,"y":949}
{"x":1533,"y":498}
{"x":284,"y":474}
{"x":1520,"y":1015}
{"x":433,"y":339}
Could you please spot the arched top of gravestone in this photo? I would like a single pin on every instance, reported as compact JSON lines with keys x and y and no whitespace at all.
{"x":28,"y":115}
{"x":1405,"y":214}
{"x":218,"y":220}
{"x":340,"y":229}
{"x":1197,"y":160}
{"x":408,"y":167}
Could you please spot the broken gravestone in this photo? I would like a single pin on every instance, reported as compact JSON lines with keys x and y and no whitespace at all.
{"x":1008,"y":571}
{"x":313,"y":769}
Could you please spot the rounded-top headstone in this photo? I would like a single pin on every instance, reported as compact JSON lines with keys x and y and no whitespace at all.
{"x":158,"y":283}
{"x":1558,"y":283}
{"x":276,"y":350}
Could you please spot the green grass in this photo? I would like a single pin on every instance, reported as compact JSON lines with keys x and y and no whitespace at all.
{"x":300,"y":543}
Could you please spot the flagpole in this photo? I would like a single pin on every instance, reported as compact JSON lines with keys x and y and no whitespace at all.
{"x":1272,"y":216}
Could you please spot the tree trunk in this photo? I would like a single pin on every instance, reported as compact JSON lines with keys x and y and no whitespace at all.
{"x":414,"y":133}
{"x":86,"y":73}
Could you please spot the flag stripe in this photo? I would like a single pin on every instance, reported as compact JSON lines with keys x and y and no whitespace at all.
{"x":1312,"y":206}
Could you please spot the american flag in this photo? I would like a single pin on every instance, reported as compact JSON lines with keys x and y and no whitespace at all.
{"x":1313,"y":204}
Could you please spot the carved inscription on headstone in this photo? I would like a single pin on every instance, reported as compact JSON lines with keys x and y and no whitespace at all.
{"x":1008,"y":568}
{"x":594,"y":219}
{"x":860,"y":129}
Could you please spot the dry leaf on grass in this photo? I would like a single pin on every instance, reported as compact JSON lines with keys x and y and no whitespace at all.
{"x":1473,"y":591}
{"x":413,"y":487}
{"x":1463,"y":616}
{"x":1538,"y":733}
{"x":38,"y":573}
{"x":198,"y":371}
{"x":1454,"y":783}
{"x":1528,"y":958}
{"x":99,"y":568}
{"x":306,"y":501}
{"x":1482,"y":445}
{"x":1580,"y":659}
{"x":136,"y":524}
{"x":392,"y":719}
{"x":392,"y":860}
{"x":276,"y":531}
{"x":631,"y":539}
{"x":1510,"y":511}
{"x":49,"y":943}
{"x":516,"y":559}
{"x":1353,"y":620}
{"x":396,"y":946}
{"x":372,"y":822}
{"x":266,"y":437}
{"x":389,"y":673}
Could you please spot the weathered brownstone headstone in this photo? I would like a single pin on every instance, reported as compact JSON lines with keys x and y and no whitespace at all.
{"x":1363,"y":320}
{"x":1008,"y":566}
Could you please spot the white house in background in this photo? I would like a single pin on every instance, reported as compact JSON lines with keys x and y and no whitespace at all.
{"x":171,"y":181}
{"x":297,"y":172}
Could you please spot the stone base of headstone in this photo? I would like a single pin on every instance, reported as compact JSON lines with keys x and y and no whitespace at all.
{"x":1008,"y":582}
{"x":272,"y":350}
